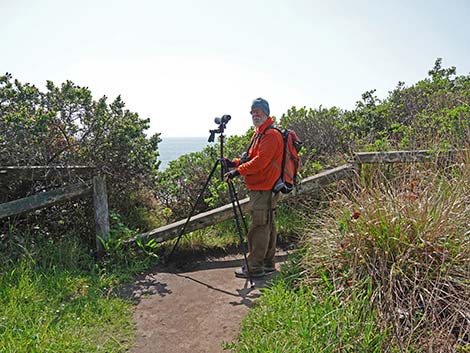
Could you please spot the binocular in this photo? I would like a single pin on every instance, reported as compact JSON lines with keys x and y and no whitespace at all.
{"x":222,"y":122}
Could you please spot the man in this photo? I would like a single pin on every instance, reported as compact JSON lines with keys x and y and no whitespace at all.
{"x":260,"y":173}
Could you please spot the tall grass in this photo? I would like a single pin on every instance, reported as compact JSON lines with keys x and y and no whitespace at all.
{"x":409,"y":238}
{"x":385,"y":268}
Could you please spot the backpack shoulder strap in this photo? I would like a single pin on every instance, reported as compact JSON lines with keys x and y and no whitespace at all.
{"x":272,"y":126}
{"x":257,"y":137}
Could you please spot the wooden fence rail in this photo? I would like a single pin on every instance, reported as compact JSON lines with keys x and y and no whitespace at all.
{"x":43,"y":199}
{"x":42,"y":172}
{"x":310,"y":184}
{"x":199,"y":221}
{"x":403,"y":156}
{"x":217,"y":215}
{"x":59,"y":195}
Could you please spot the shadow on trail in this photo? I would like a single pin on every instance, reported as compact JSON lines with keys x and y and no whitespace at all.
{"x":214,"y":264}
{"x":150,"y":284}
{"x":144,"y":286}
{"x":245,"y":294}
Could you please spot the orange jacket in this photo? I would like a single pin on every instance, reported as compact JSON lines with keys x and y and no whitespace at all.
{"x":265,"y":152}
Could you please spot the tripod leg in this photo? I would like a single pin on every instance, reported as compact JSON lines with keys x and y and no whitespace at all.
{"x":234,"y":199}
{"x":239,"y":207}
{"x":233,"y":194}
{"x":194,"y":208}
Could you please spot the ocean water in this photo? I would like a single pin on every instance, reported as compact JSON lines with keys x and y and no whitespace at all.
{"x":170,"y":148}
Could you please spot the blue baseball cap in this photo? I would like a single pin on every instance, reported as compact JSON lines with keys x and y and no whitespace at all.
{"x":262,"y":104}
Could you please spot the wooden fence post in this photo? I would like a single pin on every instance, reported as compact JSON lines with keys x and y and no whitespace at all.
{"x":357,"y":166}
{"x":100,"y":203}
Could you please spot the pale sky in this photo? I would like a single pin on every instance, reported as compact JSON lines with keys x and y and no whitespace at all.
{"x":182,"y":63}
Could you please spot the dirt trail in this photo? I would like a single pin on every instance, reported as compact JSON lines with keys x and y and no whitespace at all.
{"x":194,"y":308}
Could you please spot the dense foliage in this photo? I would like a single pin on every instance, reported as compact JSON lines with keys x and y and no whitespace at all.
{"x":321,"y":131}
{"x":433,"y":113}
{"x":178,"y":187}
{"x":65,"y":126}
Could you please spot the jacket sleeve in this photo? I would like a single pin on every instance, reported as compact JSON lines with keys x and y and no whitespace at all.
{"x":266,"y":153}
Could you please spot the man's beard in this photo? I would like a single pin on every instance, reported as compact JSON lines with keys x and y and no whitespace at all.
{"x":257,"y":121}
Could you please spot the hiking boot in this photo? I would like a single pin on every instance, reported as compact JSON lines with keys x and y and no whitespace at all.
{"x":243,"y":273}
{"x":269,"y":269}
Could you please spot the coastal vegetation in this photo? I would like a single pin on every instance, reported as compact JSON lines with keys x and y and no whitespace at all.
{"x":382,"y":263}
{"x":385,"y":268}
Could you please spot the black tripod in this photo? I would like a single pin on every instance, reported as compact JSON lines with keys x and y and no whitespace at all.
{"x":237,"y":210}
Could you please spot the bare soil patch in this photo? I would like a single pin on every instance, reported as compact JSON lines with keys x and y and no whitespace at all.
{"x":192,"y":306}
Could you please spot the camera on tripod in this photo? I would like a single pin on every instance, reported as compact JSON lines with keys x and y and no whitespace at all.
{"x":236,"y":207}
{"x":222,"y":122}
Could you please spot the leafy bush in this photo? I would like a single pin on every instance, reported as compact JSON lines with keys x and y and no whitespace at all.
{"x":434,"y":111}
{"x":178,"y":186}
{"x":65,"y":126}
{"x":321,"y":132}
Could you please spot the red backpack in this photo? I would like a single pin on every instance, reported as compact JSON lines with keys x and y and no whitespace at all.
{"x":290,"y":161}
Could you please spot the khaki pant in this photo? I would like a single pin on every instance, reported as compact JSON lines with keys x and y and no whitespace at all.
{"x":262,"y":235}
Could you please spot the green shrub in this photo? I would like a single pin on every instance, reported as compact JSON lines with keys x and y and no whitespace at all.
{"x":432,"y":112}
{"x":321,"y":132}
{"x":65,"y":126}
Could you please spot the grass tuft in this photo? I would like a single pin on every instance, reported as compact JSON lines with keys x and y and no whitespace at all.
{"x":409,"y":238}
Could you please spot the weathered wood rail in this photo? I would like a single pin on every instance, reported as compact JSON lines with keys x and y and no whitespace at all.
{"x":199,"y":221}
{"x":42,"y":172}
{"x":43,"y":199}
{"x":97,"y":188}
{"x":308,"y":185}
{"x":217,"y":215}
{"x":403,"y":156}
